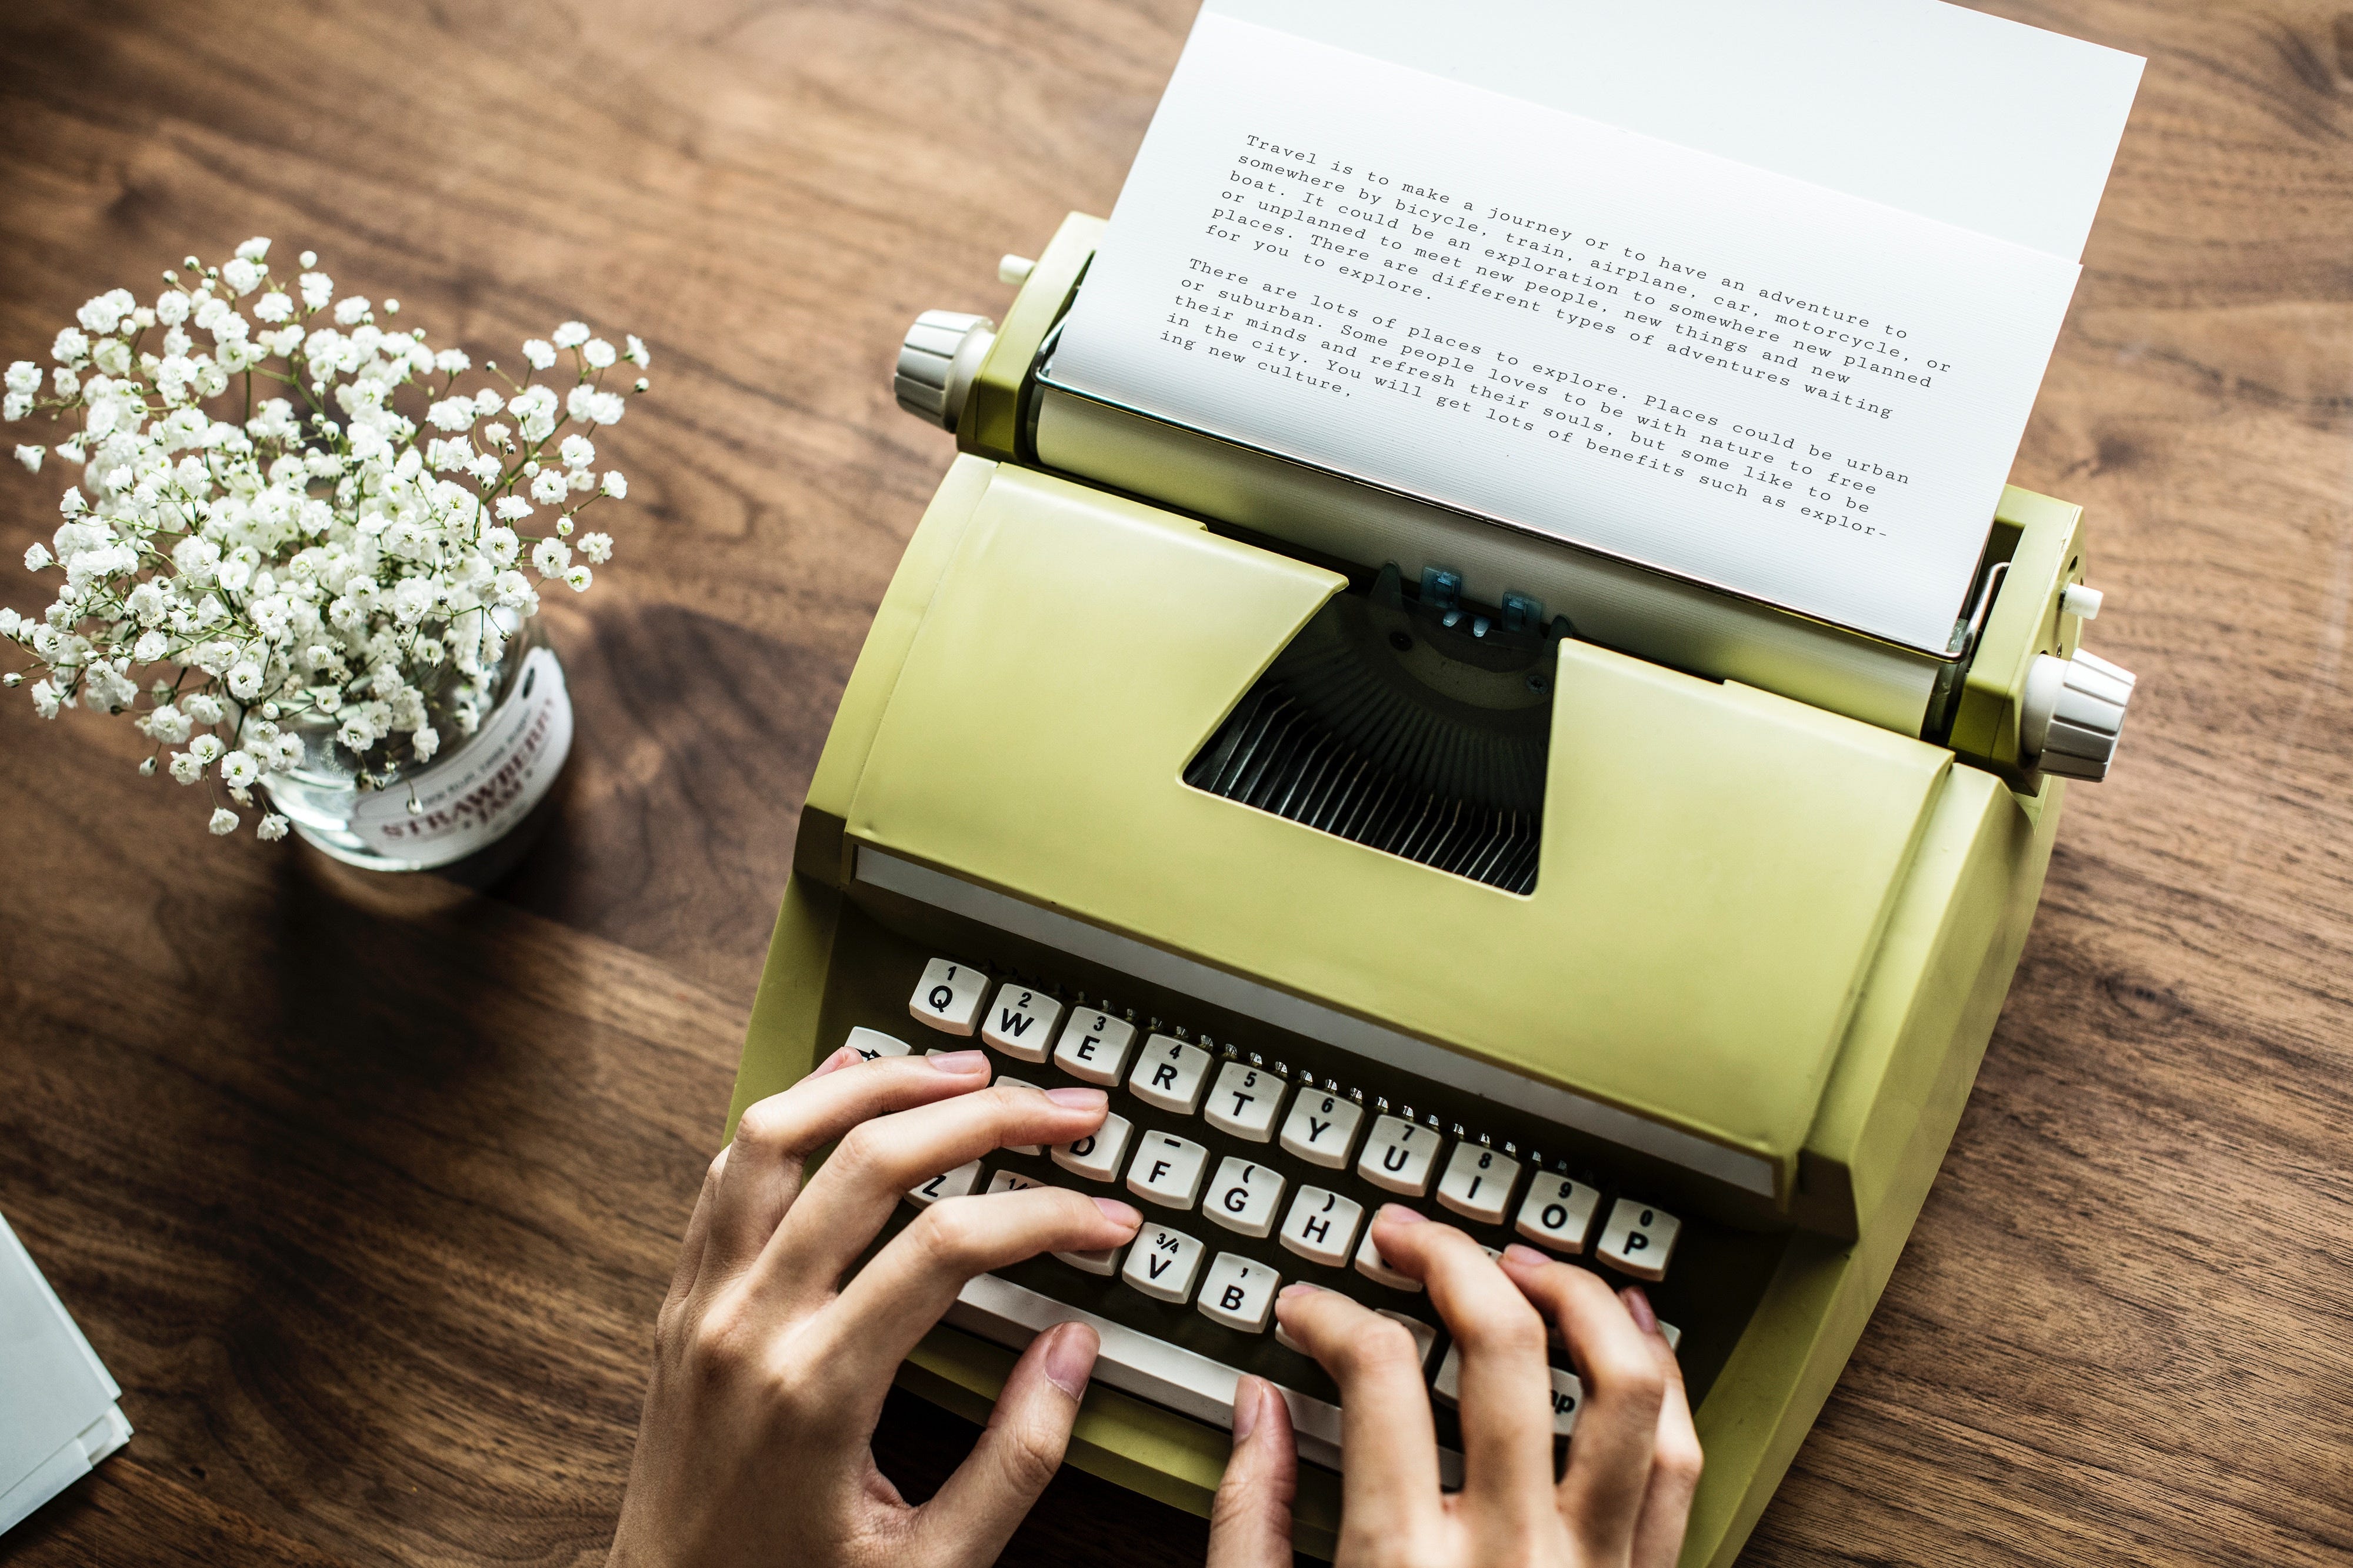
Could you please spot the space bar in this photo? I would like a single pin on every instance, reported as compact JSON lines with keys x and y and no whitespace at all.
{"x":1012,"y":1315}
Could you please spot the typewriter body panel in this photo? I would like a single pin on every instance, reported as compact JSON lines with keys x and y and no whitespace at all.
{"x":1750,"y":980}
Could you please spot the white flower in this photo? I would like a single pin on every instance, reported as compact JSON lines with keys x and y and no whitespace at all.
{"x":452,"y":362}
{"x":45,"y":700}
{"x":151,"y":645}
{"x":514,"y":590}
{"x":548,"y":487}
{"x":270,"y":828}
{"x":500,"y":544}
{"x":591,"y":406}
{"x":539,"y":353}
{"x":70,"y":347}
{"x":169,"y":725}
{"x":512,"y":509}
{"x":549,"y":557}
{"x":273,"y":308}
{"x":494,"y":433}
{"x":577,"y":579}
{"x":37,"y":556}
{"x":571,"y":334}
{"x":451,"y":413}
{"x":352,"y":309}
{"x":223,"y":822}
{"x":485,"y":470}
{"x":636,"y":352}
{"x":596,"y":547}
{"x":243,"y":276}
{"x":488,"y":401}
{"x":616,"y":485}
{"x":206,"y":749}
{"x":428,"y":741}
{"x":578,"y":451}
{"x":102,"y":314}
{"x":238,"y":770}
{"x":254,"y":249}
{"x":24,"y":376}
{"x":597,"y":352}
{"x":31,"y":457}
{"x":317,"y":289}
{"x":184,"y":767}
{"x":204,"y":708}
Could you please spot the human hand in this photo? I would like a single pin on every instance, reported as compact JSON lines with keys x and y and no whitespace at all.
{"x":1625,"y":1498}
{"x":770,"y":1369}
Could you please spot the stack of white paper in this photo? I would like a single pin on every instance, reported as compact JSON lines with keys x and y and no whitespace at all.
{"x":58,"y":1415}
{"x":1754,"y":293}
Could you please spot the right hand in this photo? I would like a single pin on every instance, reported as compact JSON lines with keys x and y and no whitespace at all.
{"x":1633,"y":1468}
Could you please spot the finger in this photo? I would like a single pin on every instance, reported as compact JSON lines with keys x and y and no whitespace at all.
{"x":690,"y":1249}
{"x":1505,"y":1401}
{"x":1600,"y":1497}
{"x":775,"y":1136}
{"x":902,"y":1293}
{"x":697,"y":1224}
{"x":1675,"y":1463}
{"x":969,"y":1521}
{"x":1388,"y":1483}
{"x":1250,"y":1523}
{"x":876,"y":1162}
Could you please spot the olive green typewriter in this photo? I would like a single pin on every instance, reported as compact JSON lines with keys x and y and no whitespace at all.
{"x":1355,"y":876}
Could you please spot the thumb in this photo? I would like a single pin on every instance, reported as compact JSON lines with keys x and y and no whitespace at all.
{"x":1250,"y":1523}
{"x":969,"y":1521}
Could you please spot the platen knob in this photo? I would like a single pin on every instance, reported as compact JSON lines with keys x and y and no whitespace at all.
{"x":2072,"y":715}
{"x":937,"y":364}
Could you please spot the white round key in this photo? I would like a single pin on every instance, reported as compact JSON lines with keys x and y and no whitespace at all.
{"x":1097,"y":1155}
{"x":1021,"y":1021}
{"x":1244,"y":1196}
{"x":1239,"y":1293}
{"x":1164,"y":1263}
{"x":1167,"y":1170}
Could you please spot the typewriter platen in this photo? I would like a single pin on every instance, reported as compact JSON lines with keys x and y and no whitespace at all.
{"x":1358,"y":877}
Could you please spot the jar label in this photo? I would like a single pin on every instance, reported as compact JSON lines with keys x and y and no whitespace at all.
{"x":476,"y":795}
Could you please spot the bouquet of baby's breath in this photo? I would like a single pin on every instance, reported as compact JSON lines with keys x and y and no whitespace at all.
{"x":269,"y":546}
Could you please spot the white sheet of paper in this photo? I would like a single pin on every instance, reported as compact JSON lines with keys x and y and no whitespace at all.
{"x":1645,"y":348}
{"x":1927,"y":106}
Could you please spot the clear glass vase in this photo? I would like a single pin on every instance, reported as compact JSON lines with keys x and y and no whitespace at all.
{"x":475,"y":793}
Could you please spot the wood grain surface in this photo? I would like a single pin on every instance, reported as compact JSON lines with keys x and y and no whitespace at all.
{"x":367,"y":1195}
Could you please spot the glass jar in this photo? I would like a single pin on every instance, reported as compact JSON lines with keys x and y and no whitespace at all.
{"x":474,"y":793}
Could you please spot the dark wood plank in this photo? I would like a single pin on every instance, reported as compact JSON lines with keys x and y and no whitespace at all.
{"x":367,"y":1196}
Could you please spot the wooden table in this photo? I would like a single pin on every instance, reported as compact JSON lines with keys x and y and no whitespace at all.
{"x":367,"y":1196}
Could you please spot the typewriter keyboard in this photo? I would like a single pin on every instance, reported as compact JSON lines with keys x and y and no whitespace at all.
{"x":1259,"y":1158}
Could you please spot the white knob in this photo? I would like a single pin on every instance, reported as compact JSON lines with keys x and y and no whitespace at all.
{"x":2072,"y":715}
{"x":937,"y":362}
{"x":2076,"y":599}
{"x":1014,"y":270}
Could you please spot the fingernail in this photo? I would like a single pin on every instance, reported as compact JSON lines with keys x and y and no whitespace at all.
{"x":1528,"y":1256}
{"x":1398,"y":1214}
{"x":1639,"y":1305}
{"x":1246,"y":1400}
{"x":840,"y":1058}
{"x":1070,"y":1358}
{"x":959,"y":1061}
{"x":1079,"y":1098}
{"x":1299,"y":1288}
{"x":1120,"y":1213}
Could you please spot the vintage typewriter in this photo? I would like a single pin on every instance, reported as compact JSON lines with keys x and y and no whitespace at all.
{"x":1369,"y":852}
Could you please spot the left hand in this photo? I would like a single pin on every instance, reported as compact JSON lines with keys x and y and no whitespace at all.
{"x":770,"y":1369}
